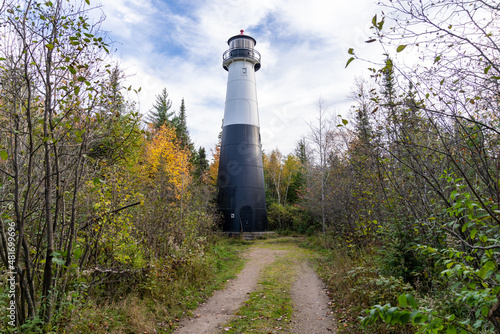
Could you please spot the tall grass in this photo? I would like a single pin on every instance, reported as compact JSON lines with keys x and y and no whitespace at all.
{"x":169,"y":290}
{"x":354,"y":283}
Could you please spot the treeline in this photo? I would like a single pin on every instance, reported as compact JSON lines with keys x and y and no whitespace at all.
{"x":409,"y":185}
{"x":94,"y":203}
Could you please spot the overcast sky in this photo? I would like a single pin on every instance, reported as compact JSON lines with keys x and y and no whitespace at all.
{"x":178,"y":45}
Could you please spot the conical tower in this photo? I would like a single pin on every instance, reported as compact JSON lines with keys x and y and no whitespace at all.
{"x":242,"y":198}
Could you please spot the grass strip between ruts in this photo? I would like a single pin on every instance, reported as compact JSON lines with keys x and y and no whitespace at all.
{"x":270,"y":309}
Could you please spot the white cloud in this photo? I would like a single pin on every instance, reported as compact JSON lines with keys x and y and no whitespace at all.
{"x":179,"y":45}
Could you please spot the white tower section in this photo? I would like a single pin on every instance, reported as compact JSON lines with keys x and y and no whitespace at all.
{"x":241,"y":94}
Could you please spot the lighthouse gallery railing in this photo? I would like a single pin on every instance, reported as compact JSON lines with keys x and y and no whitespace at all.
{"x":243,"y":53}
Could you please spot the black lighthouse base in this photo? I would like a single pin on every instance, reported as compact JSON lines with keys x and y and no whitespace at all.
{"x":242,"y":197}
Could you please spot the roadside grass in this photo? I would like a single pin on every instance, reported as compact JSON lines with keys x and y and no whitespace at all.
{"x":334,"y":264}
{"x":164,"y":296}
{"x":269,"y":309}
{"x":354,"y":284}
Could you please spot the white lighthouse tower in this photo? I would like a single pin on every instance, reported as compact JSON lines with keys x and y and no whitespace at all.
{"x":241,"y":197}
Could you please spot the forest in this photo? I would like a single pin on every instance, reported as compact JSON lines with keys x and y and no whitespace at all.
{"x":108,"y":217}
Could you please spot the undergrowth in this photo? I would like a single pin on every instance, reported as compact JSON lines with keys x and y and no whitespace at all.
{"x":354,"y":283}
{"x":169,"y":291}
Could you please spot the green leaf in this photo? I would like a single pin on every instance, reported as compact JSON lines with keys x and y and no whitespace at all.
{"x":97,"y":181}
{"x":351,"y":51}
{"x":418,"y":319}
{"x":402,"y":301}
{"x":49,"y":46}
{"x":411,"y":300}
{"x":404,"y":318}
{"x":374,"y":21}
{"x":487,"y":69}
{"x":58,"y":261}
{"x":88,"y":2}
{"x":388,"y":65}
{"x":486,"y":270}
{"x":482,"y":272}
{"x":395,"y":317}
{"x":478,"y":324}
{"x":349,"y":61}
{"x":451,"y":330}
{"x":438,"y":58}
{"x":473,"y":233}
{"x":401,"y":48}
{"x":72,"y":70}
{"x":344,"y":121}
{"x":78,"y":253}
{"x":4,"y":155}
{"x":380,"y":25}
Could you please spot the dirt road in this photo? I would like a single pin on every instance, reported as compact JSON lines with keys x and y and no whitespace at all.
{"x":311,"y":313}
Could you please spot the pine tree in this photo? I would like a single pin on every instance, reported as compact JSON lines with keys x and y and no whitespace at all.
{"x":362,"y":125}
{"x":180,"y":123}
{"x":389,"y":90}
{"x":200,"y":163}
{"x":301,"y":150}
{"x":160,"y":114}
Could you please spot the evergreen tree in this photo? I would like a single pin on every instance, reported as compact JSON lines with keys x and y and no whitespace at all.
{"x":200,"y":163}
{"x":180,"y":123}
{"x":299,"y":179}
{"x":113,"y":95}
{"x":362,"y":125}
{"x":389,"y":90}
{"x":160,"y":114}
{"x":301,"y":151}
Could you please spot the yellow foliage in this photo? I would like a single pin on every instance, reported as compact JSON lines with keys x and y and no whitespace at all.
{"x":280,"y":171}
{"x":214,"y":166}
{"x":166,"y":161}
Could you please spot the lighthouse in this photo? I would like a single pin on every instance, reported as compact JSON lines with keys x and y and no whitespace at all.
{"x":241,"y":196}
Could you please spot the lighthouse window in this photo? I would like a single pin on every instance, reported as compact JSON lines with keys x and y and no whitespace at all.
{"x":241,"y":43}
{"x":244,"y":70}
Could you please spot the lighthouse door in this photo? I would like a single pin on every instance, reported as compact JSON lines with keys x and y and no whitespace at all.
{"x":246,"y":214}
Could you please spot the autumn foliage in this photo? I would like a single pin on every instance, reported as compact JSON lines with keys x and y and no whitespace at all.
{"x":164,"y":158}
